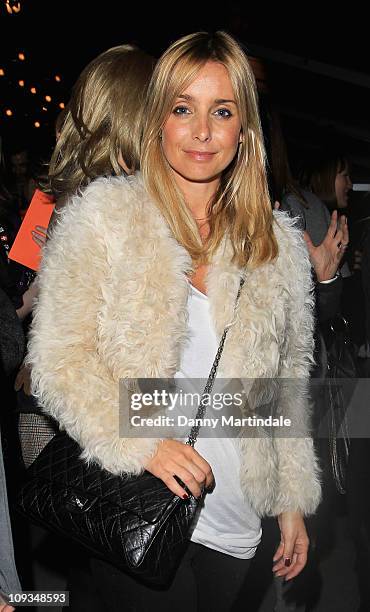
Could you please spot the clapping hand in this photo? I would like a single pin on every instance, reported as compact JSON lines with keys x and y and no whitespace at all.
{"x":327,"y":256}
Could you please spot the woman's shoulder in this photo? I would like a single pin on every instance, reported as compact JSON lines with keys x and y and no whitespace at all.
{"x":106,"y":194}
{"x":293,"y":252}
{"x":105,"y":202}
{"x":287,"y":229}
{"x":308,"y":202}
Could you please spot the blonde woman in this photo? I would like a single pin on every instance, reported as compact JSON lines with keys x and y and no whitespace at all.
{"x":140,"y":279}
{"x":99,"y":133}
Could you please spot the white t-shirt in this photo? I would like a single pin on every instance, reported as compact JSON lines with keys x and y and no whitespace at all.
{"x":227,"y":523}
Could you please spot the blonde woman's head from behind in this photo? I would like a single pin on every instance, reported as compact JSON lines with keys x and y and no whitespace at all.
{"x":102,"y":127}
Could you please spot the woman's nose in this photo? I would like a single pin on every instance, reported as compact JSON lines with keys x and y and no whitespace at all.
{"x":201,"y":129}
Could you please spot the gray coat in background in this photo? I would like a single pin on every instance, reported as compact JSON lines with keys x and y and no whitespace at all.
{"x":9,"y":581}
{"x":11,"y":353}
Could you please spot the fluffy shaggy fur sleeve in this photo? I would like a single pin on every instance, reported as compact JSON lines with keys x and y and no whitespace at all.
{"x":70,"y":376}
{"x":299,"y":482}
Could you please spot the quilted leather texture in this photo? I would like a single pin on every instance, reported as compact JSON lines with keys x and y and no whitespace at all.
{"x":133,"y":522}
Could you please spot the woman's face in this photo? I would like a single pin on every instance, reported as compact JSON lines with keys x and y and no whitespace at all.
{"x":201,"y":136}
{"x":343,"y":185}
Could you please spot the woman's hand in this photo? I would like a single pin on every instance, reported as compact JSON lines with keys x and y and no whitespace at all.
{"x":6,"y":608}
{"x":39,"y":235}
{"x":327,"y":256}
{"x":28,"y":297}
{"x":291,"y":555}
{"x":23,"y":379}
{"x":175,"y":458}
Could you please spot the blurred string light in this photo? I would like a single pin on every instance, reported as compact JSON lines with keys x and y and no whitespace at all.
{"x":21,"y":56}
{"x":13,"y":7}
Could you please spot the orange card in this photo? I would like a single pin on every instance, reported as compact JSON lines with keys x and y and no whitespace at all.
{"x":24,"y":249}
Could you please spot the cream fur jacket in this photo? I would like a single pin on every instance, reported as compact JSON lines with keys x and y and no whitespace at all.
{"x":113,"y":304}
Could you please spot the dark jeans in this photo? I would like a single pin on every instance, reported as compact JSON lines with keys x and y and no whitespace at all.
{"x":205,"y":581}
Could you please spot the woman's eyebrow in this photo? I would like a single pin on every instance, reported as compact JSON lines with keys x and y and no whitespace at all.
{"x":217,"y":101}
{"x":224,"y":101}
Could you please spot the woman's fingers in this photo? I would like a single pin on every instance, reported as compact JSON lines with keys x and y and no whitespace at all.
{"x":173,"y":485}
{"x":344,"y":228}
{"x":38,"y":239}
{"x":333,"y":224}
{"x":299,"y":561}
{"x":283,"y":556}
{"x":291,"y":556}
{"x":176,"y":459}
{"x":338,"y":238}
{"x":39,"y":235}
{"x":279,"y":552}
{"x":186,"y":475}
{"x":23,"y":379}
{"x":308,"y":242}
{"x":203,"y":465}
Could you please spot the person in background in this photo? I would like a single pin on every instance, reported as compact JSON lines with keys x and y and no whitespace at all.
{"x":326,"y":175}
{"x":97,"y":134}
{"x":147,"y":276}
{"x":12,"y":347}
{"x":323,"y":236}
{"x":326,"y":234}
{"x":359,"y":258}
{"x":22,"y":182}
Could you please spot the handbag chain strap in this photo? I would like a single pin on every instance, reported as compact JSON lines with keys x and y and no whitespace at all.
{"x":211,"y":378}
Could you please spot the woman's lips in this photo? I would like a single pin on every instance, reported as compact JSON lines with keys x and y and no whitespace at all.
{"x":200,"y":155}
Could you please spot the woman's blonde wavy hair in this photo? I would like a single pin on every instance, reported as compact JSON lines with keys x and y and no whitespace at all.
{"x":103,"y":119}
{"x":241,"y":207}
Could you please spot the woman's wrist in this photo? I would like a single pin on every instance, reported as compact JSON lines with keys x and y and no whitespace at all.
{"x":331,"y":279}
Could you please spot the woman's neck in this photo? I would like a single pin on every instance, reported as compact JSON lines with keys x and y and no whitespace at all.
{"x":198,"y":196}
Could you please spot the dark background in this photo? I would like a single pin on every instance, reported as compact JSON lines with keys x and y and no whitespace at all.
{"x":318,"y":67}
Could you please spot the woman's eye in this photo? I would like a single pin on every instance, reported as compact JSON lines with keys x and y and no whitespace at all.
{"x":223,"y":112}
{"x":180,"y":110}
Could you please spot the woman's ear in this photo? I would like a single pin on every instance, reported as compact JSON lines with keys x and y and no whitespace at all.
{"x":241,"y":137}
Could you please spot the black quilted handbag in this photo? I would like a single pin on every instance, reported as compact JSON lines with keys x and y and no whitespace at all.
{"x":133,"y":522}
